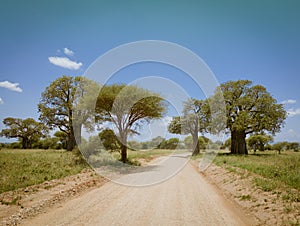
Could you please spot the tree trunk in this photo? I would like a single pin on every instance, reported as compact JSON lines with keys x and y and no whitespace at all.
{"x":123,"y":143}
{"x":261,"y":147}
{"x":71,"y":141}
{"x":238,"y":142}
{"x":196,"y":148}
{"x":24,"y":142}
{"x":77,"y":133}
{"x":123,"y":153}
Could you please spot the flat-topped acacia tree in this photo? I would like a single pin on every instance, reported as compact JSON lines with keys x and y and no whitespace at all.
{"x":250,"y":109}
{"x":127,"y":107}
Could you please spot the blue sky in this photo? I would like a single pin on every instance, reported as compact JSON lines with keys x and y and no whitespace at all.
{"x":255,"y":40}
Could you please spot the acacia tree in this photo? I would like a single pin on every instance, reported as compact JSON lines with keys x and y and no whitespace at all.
{"x":127,"y":107}
{"x":66,"y":105}
{"x":195,"y":119}
{"x":250,"y":109}
{"x":259,"y":141}
{"x":109,"y":140}
{"x":27,"y":130}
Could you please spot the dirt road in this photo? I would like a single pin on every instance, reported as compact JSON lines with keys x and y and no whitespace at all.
{"x":185,"y":199}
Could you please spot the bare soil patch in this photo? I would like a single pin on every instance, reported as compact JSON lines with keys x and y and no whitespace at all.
{"x":33,"y":200}
{"x":269,"y":207}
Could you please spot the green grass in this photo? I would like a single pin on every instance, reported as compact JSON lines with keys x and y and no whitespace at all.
{"x":284,"y":168}
{"x":22,"y":168}
{"x":245,"y":197}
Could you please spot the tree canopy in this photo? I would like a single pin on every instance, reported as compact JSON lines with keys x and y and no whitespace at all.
{"x":250,"y":109}
{"x":259,"y":141}
{"x":66,"y":103}
{"x":194,"y":119}
{"x":127,"y":107}
{"x":27,"y":130}
{"x":109,"y":140}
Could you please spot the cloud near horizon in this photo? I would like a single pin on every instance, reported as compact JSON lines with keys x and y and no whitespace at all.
{"x":11,"y":86}
{"x":288,"y":101}
{"x":1,"y":101}
{"x":65,"y":62}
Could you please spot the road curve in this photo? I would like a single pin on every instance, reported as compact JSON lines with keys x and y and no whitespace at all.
{"x":185,"y":199}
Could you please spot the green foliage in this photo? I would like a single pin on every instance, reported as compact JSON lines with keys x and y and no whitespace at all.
{"x":62,"y":138}
{"x":227,"y":144}
{"x":284,"y":145}
{"x":13,"y":145}
{"x":293,"y":146}
{"x":91,"y":147}
{"x":171,"y":144}
{"x":22,"y":168}
{"x":195,"y":119}
{"x":259,"y":141}
{"x":109,"y":140}
{"x":67,"y":104}
{"x":27,"y":130}
{"x":250,"y":109}
{"x":202,"y":142}
{"x":127,"y":107}
{"x":279,"y":146}
{"x":152,"y":144}
{"x":47,"y":143}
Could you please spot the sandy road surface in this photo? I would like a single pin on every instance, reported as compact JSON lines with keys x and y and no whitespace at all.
{"x":185,"y":199}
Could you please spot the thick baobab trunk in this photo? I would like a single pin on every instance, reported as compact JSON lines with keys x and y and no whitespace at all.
{"x":238,"y":142}
{"x":196,"y":148}
{"x":24,"y":142}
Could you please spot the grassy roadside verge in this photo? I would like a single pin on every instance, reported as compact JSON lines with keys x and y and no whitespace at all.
{"x":278,"y":169}
{"x":22,"y":168}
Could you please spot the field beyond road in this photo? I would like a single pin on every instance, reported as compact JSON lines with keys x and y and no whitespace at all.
{"x":22,"y":168}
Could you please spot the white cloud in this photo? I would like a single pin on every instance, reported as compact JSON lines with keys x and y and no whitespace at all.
{"x":1,"y":101}
{"x":65,"y":63}
{"x":288,"y":102}
{"x":68,"y":52}
{"x":11,"y":86}
{"x":293,"y":112}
